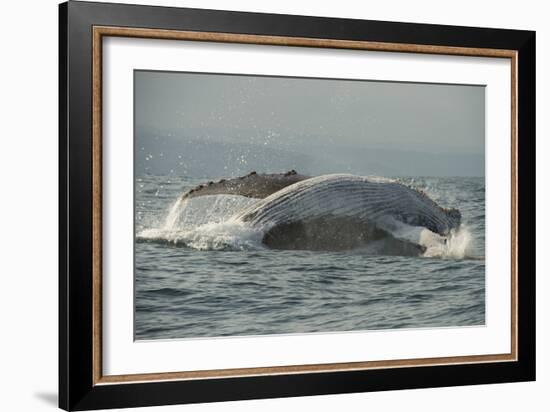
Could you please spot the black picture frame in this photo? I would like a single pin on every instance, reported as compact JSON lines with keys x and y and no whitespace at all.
{"x":77,"y":390}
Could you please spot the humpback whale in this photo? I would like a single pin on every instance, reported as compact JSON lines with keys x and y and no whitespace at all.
{"x":341,"y":211}
{"x":336,"y":212}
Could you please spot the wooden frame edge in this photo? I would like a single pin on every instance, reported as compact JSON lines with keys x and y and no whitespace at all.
{"x":97,"y":237}
{"x":297,"y":41}
{"x":98,"y":32}
{"x":297,"y":369}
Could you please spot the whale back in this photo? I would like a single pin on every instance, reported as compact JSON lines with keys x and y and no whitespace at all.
{"x":364,"y":200}
{"x":253,"y":185}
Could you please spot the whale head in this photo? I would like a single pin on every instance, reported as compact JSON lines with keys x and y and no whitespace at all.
{"x":454,"y":216}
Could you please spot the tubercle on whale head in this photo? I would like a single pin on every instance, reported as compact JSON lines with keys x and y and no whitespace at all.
{"x":454,"y":215}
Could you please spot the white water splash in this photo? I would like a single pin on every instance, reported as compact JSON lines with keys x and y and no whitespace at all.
{"x":457,"y":245}
{"x":206,"y":223}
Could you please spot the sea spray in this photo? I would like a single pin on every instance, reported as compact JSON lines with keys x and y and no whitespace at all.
{"x":205,"y":223}
{"x":458,"y":245}
{"x":176,"y":210}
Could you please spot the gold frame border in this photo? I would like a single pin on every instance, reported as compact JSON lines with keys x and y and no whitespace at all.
{"x":100,"y":31}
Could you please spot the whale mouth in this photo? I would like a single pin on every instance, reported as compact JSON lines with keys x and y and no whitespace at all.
{"x":324,"y":213}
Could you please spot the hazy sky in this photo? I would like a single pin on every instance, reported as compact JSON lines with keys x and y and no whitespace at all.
{"x":361,"y":126}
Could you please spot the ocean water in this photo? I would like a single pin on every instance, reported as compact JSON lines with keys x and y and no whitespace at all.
{"x":200,"y":274}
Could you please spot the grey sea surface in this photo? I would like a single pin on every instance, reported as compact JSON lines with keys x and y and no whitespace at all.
{"x":200,"y":281}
